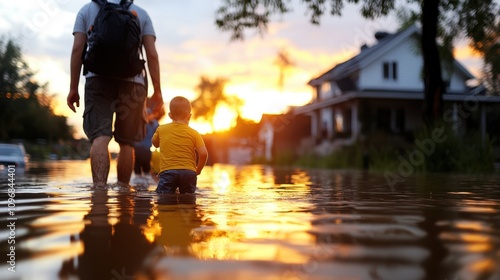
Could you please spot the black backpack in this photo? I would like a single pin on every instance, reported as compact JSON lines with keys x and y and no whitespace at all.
{"x":114,"y":42}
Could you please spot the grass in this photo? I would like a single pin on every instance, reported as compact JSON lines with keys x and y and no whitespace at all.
{"x":436,"y":150}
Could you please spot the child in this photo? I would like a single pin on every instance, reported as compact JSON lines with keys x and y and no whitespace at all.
{"x":178,"y":145}
{"x":142,"y":165}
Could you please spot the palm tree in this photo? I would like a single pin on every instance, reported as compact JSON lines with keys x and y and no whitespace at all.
{"x":284,"y":62}
{"x":211,"y":94}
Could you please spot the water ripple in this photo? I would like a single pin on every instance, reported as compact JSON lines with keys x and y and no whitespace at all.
{"x":253,"y":222}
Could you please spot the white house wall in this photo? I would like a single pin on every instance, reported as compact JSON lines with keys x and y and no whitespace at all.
{"x":409,"y":66}
{"x":409,"y":71}
{"x":457,"y":83}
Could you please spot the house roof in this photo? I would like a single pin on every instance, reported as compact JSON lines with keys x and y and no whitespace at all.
{"x":413,"y":96}
{"x":368,"y":54}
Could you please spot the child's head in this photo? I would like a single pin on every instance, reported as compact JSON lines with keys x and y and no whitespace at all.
{"x":180,"y":109}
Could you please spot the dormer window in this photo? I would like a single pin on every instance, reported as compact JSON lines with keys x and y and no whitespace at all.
{"x":390,"y":70}
{"x":325,"y":90}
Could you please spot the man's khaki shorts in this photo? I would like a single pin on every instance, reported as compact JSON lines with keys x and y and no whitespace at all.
{"x":105,"y":97}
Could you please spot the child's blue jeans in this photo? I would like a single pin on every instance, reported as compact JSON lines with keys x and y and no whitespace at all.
{"x":183,"y":179}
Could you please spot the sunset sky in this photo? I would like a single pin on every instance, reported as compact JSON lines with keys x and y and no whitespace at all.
{"x":190,"y":45}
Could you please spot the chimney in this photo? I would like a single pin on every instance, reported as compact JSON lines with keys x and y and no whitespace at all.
{"x":379,"y":35}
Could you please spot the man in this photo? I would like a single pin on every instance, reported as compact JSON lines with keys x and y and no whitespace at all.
{"x":105,"y":96}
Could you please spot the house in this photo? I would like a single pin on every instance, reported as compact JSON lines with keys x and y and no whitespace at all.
{"x":237,"y":146}
{"x":381,"y":89}
{"x":280,"y":135}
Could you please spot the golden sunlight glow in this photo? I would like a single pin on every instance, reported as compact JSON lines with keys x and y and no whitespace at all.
{"x":222,"y":182}
{"x":479,"y":247}
{"x":261,"y":101}
{"x":224,"y":118}
{"x":474,"y":226}
{"x":483,"y":265}
{"x":464,"y":52}
{"x":152,"y":229}
{"x":234,"y":232}
{"x":202,"y":127}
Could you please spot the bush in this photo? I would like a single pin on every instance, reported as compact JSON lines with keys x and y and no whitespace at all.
{"x":448,"y":153}
{"x":347,"y":157}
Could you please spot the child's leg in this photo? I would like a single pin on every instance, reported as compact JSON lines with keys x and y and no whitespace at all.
{"x":168,"y":182}
{"x":187,"y":181}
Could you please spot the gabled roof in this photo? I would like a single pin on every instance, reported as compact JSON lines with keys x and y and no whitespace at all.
{"x":368,"y":54}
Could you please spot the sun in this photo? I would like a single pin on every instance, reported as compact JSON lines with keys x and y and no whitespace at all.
{"x":224,"y":118}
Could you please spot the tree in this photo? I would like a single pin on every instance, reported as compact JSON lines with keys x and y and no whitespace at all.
{"x":211,"y":94}
{"x":25,"y":109}
{"x":489,"y":48}
{"x":284,"y":62}
{"x":14,"y":72}
{"x":469,"y":18}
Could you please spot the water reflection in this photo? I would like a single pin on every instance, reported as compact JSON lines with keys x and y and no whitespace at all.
{"x":256,"y":222}
{"x":114,"y":245}
{"x":178,"y":216}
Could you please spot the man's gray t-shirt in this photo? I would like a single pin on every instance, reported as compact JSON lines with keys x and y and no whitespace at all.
{"x":87,"y":14}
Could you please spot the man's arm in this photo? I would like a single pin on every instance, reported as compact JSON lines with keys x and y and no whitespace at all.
{"x":75,"y":69}
{"x":154,"y":70}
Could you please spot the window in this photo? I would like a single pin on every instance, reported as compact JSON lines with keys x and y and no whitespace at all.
{"x":390,"y":70}
{"x":394,"y":71}
{"x":326,"y":90}
{"x":386,"y":70}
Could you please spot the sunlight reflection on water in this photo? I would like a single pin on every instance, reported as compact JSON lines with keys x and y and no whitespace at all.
{"x":253,"y":222}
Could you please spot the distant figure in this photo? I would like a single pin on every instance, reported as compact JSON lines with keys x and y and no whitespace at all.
{"x":178,"y":145}
{"x":110,"y":89}
{"x":155,"y":163}
{"x":142,"y":149}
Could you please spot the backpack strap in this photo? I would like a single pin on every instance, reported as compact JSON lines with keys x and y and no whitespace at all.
{"x":100,"y":2}
{"x":126,"y":4}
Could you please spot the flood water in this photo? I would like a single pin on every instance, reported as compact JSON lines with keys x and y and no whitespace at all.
{"x":250,"y":222}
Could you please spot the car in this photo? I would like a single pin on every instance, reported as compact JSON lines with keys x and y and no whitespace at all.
{"x":13,"y":154}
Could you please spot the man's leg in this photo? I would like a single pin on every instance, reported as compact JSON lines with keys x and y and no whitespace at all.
{"x":137,"y":165}
{"x":130,"y":126}
{"x":99,"y":160}
{"x":125,"y":164}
